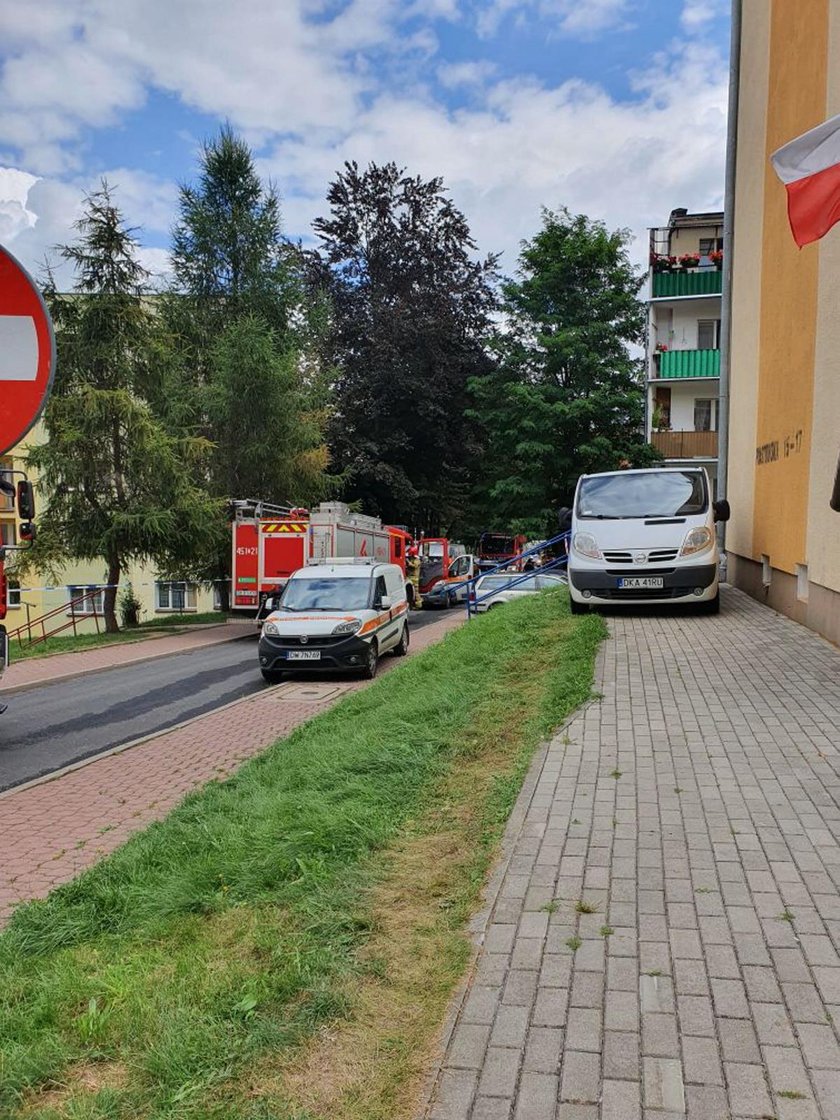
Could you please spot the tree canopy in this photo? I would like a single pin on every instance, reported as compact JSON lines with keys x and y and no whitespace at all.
{"x":411,"y":307}
{"x":566,"y":395}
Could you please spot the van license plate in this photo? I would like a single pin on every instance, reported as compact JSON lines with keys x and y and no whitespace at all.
{"x":642,"y":582}
{"x":303,"y":655}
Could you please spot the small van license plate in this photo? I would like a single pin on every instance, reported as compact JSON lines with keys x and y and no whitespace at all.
{"x":641,"y":582}
{"x":303,"y":655}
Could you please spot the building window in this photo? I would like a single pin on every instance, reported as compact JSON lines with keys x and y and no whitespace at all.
{"x":174,"y":596}
{"x":13,"y":594}
{"x":703,"y":416}
{"x":8,"y":533}
{"x":710,"y":244}
{"x":93,"y":604}
{"x":7,"y":501}
{"x":708,"y":334}
{"x":217,"y":597}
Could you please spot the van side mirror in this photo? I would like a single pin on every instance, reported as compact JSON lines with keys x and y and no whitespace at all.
{"x":385,"y":603}
{"x":721,"y":510}
{"x":26,"y":500}
{"x":564,"y":517}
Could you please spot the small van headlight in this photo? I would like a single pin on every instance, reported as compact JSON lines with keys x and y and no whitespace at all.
{"x":349,"y":627}
{"x":586,"y":545}
{"x":697,"y":540}
{"x":270,"y":628}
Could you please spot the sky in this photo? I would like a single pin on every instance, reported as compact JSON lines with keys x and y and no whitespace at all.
{"x":613,"y":108}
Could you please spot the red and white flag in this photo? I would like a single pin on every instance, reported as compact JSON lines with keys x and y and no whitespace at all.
{"x":809,"y":167}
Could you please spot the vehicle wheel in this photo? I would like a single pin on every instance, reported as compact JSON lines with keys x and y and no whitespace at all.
{"x":372,"y":663}
{"x":272,"y":676}
{"x":577,"y":608}
{"x":401,"y":648}
{"x":710,"y":607}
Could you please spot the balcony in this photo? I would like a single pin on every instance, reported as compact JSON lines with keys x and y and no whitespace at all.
{"x":705,"y":282}
{"x":686,"y":445}
{"x":687,"y":363}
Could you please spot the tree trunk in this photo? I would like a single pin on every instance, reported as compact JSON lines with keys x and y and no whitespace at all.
{"x":110,"y":604}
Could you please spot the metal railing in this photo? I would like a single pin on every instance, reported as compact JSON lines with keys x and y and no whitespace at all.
{"x":27,"y":633}
{"x":516,"y":577}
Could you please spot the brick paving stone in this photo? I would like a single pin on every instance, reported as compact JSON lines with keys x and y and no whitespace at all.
{"x":720,"y":987}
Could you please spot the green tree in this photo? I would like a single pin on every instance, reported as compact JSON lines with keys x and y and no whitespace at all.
{"x":116,"y":483}
{"x":567,"y":395}
{"x":411,"y":308}
{"x":246,"y":372}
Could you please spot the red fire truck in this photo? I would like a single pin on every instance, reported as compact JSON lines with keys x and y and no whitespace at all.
{"x":272,"y":541}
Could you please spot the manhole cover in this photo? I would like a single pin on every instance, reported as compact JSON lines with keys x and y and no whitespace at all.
{"x":309,"y":693}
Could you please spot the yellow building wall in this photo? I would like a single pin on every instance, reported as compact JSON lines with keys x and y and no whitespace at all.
{"x":40,"y":593}
{"x":785,"y":362}
{"x":790,"y":277}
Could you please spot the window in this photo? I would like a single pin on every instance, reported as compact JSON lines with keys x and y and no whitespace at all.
{"x":709,"y":245}
{"x":397,"y":547}
{"x":13,"y":593}
{"x":703,"y":416}
{"x":172,"y":596}
{"x":7,"y":501}
{"x":379,"y":590}
{"x":708,"y":334}
{"x":217,"y":597}
{"x":93,"y":604}
{"x":8,"y":533}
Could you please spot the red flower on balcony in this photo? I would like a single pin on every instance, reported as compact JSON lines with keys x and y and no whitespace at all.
{"x":690,"y":260}
{"x":661,"y":348}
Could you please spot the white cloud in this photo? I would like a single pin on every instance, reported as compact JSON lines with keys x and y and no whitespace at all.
{"x":575,"y":18}
{"x":310,"y":89}
{"x":455,"y":74}
{"x":698,"y":14}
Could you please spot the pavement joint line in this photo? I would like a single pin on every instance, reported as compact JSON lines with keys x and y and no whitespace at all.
{"x":61,"y":678}
{"x":266,"y":693}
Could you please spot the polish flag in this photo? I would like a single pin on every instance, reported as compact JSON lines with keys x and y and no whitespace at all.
{"x":809,"y":167}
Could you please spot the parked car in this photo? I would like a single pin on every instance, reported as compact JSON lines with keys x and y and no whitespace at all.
{"x":452,"y":590}
{"x":336,"y":614}
{"x":496,"y":588}
{"x":645,"y":536}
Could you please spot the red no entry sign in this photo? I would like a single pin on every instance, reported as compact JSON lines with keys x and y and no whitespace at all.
{"x":27,"y":352}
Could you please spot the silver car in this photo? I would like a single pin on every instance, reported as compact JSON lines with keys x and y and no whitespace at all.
{"x":497,"y":591}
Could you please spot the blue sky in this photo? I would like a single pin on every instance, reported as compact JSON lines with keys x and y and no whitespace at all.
{"x":611,"y":107}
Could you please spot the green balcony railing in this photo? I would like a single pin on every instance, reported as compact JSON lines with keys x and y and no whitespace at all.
{"x":688,"y":363}
{"x":706,"y":282}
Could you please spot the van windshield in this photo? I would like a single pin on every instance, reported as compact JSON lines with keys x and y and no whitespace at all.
{"x":652,"y":494}
{"x":327,"y":594}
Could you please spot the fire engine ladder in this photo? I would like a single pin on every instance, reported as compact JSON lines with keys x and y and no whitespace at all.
{"x":517,"y":577}
{"x":244,"y":509}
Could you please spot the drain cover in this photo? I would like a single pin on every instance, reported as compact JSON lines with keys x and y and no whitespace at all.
{"x":309,"y":693}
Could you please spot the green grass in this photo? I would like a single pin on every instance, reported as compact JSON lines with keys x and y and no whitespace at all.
{"x":213,"y":944}
{"x":70,"y":643}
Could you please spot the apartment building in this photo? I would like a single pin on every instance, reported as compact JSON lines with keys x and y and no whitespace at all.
{"x":783,"y":541}
{"x":683,"y":348}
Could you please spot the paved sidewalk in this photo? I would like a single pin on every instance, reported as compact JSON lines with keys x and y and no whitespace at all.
{"x":35,"y":671}
{"x":51,"y":831}
{"x":696,"y":810}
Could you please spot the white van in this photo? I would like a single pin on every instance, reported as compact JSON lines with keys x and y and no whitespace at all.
{"x":644,"y":536}
{"x":336,"y":614}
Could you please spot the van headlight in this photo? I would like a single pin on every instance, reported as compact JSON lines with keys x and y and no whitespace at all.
{"x":270,"y":628}
{"x":586,"y":545}
{"x":349,"y":627}
{"x":697,"y":540}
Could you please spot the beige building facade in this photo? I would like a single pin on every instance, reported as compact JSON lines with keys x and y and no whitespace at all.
{"x":783,"y":541}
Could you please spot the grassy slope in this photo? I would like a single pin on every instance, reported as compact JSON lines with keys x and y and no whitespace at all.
{"x":200,"y":955}
{"x":69,"y":643}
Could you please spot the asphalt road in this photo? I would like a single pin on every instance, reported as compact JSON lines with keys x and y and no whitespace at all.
{"x":55,"y":725}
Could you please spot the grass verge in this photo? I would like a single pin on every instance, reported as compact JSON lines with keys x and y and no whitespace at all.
{"x":70,"y":643}
{"x":285,"y":943}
